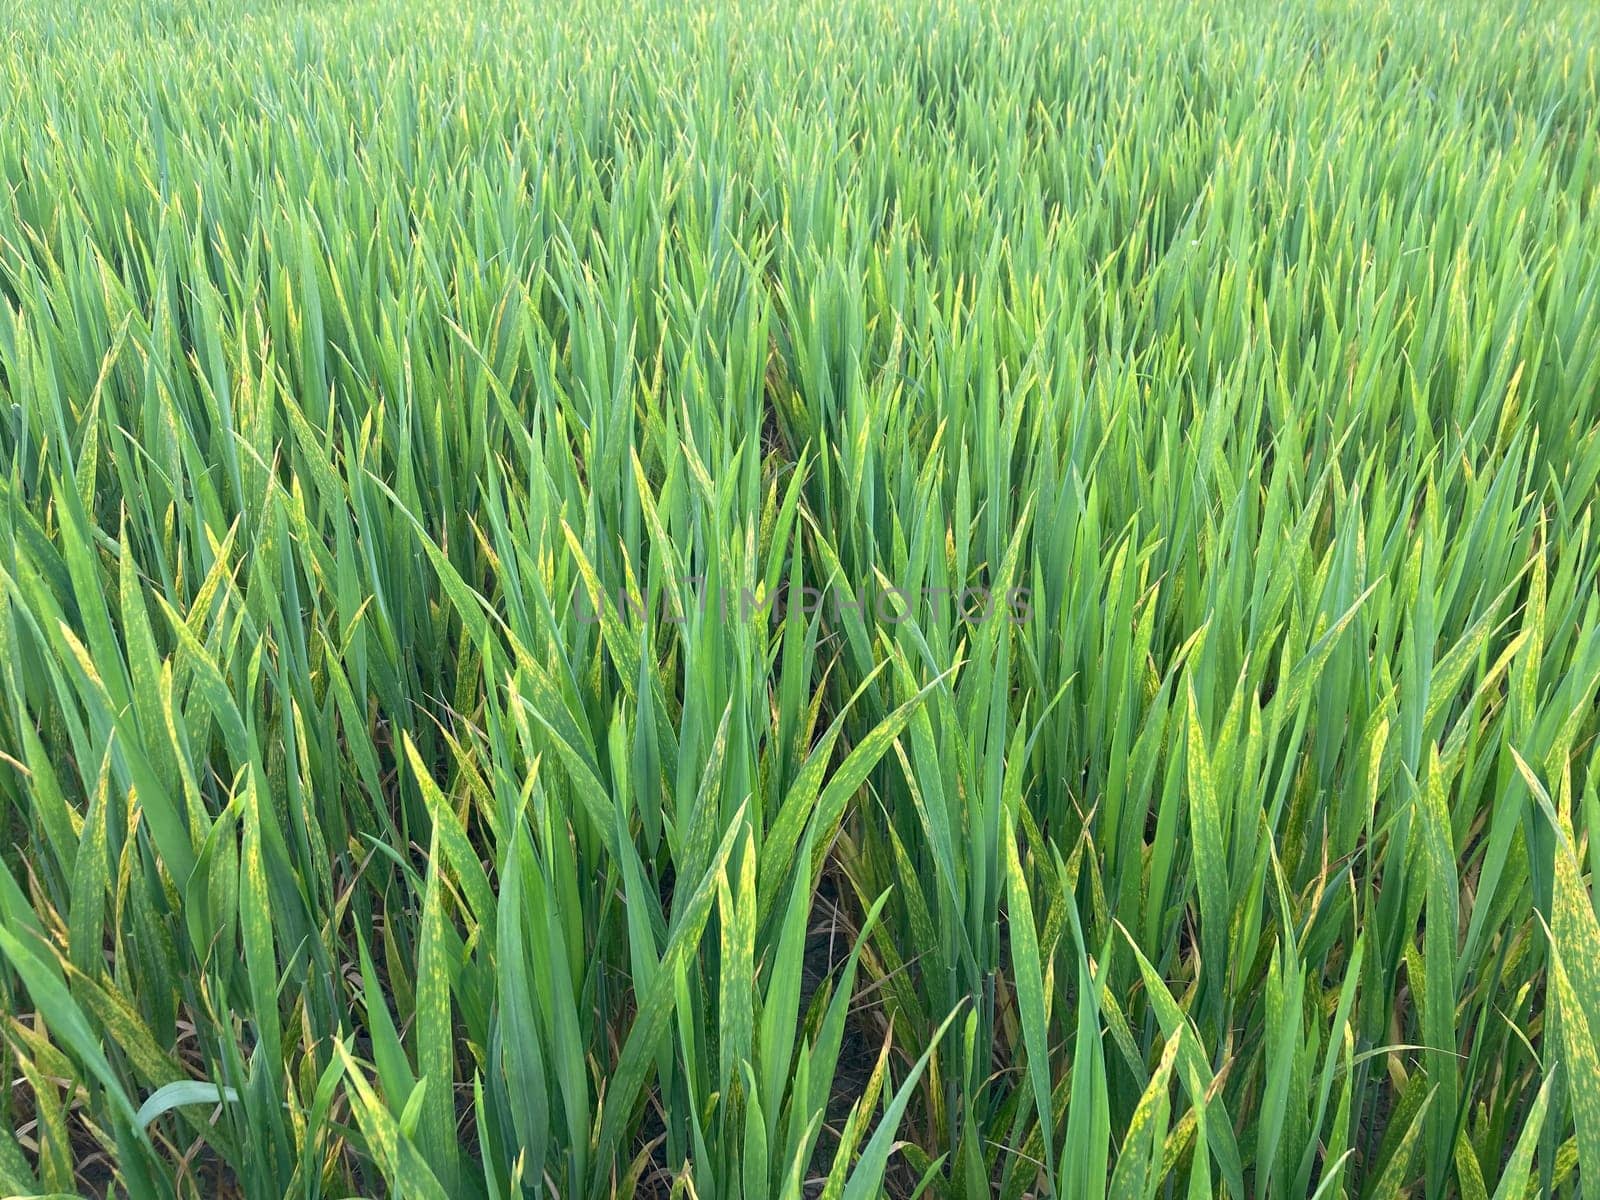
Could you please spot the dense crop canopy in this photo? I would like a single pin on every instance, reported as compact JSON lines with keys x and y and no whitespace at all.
{"x":859,"y":598}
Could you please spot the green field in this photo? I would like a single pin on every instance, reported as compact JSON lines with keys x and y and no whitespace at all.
{"x":746,"y":602}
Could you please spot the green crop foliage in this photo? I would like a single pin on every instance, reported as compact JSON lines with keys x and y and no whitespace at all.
{"x":849,"y":599}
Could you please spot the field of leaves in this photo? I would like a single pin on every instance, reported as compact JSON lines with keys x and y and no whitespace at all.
{"x":867,"y":598}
